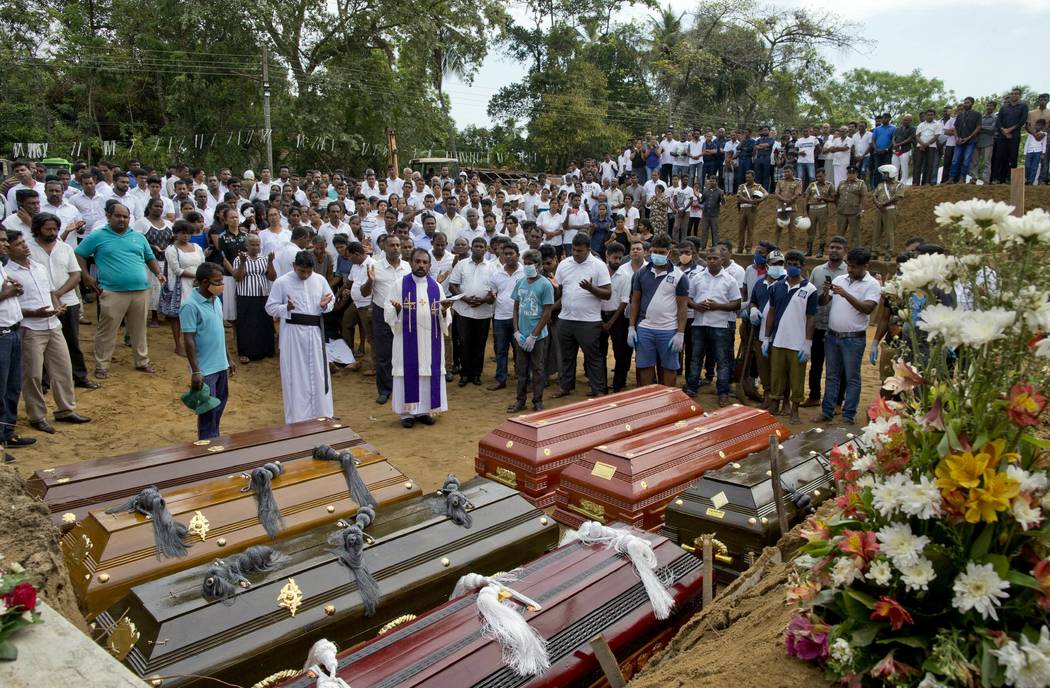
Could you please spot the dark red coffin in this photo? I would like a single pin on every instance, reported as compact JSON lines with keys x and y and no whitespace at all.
{"x":86,"y":486}
{"x":583,"y":589}
{"x":529,"y":452}
{"x":632,"y":480}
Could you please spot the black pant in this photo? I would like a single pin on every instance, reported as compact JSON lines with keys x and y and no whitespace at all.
{"x":617,"y":335}
{"x":816,"y":368}
{"x":457,"y":350}
{"x":946,"y":164}
{"x":531,"y":370}
{"x":574,"y":335}
{"x":70,"y":321}
{"x":1004,"y":157}
{"x":473,"y":333}
{"x":880,"y":158}
{"x":10,"y":381}
{"x":382,"y":351}
{"x":665,"y":173}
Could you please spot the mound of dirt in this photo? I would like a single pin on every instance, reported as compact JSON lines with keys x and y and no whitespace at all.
{"x":739,"y":638}
{"x":29,"y":538}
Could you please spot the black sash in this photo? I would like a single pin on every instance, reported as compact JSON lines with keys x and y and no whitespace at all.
{"x":313,"y":321}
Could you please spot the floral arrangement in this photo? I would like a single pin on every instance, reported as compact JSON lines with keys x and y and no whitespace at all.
{"x":932,"y":566}
{"x":19,"y":608}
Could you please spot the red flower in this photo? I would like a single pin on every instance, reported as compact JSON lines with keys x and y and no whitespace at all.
{"x":842,"y":459}
{"x":890,"y":609}
{"x":889,"y":668}
{"x":1025,"y":405}
{"x":22,"y":596}
{"x":883,"y":408}
{"x":859,"y":542}
{"x":1042,"y":574}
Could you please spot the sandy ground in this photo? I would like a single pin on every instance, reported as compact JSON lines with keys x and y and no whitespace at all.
{"x":135,"y":411}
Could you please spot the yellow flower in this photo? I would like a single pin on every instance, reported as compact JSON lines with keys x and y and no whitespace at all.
{"x":966,"y":469}
{"x":984,"y":503}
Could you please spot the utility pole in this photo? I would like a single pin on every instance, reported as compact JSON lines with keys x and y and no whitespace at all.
{"x":266,"y":104}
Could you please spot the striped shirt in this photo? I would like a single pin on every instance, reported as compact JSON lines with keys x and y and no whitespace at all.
{"x":254,"y":282}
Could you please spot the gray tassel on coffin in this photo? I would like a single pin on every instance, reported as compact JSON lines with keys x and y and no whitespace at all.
{"x":269,"y":512}
{"x":349,"y":543}
{"x":225,"y":577}
{"x":453,"y":503}
{"x":167,"y":532}
{"x":358,"y":489}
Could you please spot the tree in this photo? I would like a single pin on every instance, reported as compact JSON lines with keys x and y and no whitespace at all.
{"x":866,"y":93}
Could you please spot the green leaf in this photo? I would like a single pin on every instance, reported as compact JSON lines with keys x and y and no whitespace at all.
{"x":991,"y":671}
{"x":8,"y":651}
{"x":863,"y":636}
{"x":982,"y":543}
{"x":909,"y":640}
{"x":942,"y":446}
{"x":854,"y":608}
{"x":999,"y":562}
{"x":818,"y":548}
{"x":1035,"y":441}
{"x":862,"y":597}
{"x":1023,"y":580}
{"x":953,"y":439}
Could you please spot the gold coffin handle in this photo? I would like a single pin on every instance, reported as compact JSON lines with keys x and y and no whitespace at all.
{"x":594,"y":512}
{"x":505,"y":476}
{"x":721,"y":551}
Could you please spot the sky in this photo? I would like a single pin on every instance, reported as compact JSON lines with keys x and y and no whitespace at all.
{"x":976,"y":48}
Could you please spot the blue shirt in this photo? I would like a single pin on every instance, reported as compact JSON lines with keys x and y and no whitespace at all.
{"x":760,"y":294}
{"x":203,"y":317}
{"x":121,"y":258}
{"x":882,"y":136}
{"x":762,"y":154}
{"x":658,"y":308}
{"x":780,"y":295}
{"x":531,"y":298}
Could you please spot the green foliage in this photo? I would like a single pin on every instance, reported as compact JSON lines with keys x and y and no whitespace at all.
{"x":865,"y":93}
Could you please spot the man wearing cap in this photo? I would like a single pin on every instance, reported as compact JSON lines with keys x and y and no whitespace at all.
{"x":849,"y":201}
{"x":818,"y":195}
{"x":203,"y":334}
{"x":756,"y":312}
{"x":749,"y":197}
{"x":885,"y":198}
{"x":788,"y":193}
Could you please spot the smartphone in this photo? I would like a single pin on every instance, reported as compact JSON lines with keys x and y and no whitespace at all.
{"x":827,"y":279}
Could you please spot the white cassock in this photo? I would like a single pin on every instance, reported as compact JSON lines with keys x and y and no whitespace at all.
{"x":421,"y":328}
{"x":306,"y":385}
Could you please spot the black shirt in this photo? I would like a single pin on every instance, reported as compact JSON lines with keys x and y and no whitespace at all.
{"x":904,"y":132}
{"x":1011,"y":115}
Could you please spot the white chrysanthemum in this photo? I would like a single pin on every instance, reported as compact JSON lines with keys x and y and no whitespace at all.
{"x":917,"y":576}
{"x":1042,"y":349}
{"x":841,"y":651}
{"x":876,"y":433}
{"x":900,"y":544}
{"x":887,"y":494}
{"x":929,"y":270}
{"x":1027,"y":665}
{"x":921,"y":498}
{"x":866,"y":480}
{"x":864,"y":464}
{"x":879,"y":572}
{"x":1026,"y":515}
{"x":930,"y":681}
{"x":987,"y":326}
{"x":1033,"y":226}
{"x":892,"y":287}
{"x":845,"y":571}
{"x":980,"y":215}
{"x":945,"y":322}
{"x":947,"y":213}
{"x":1028,"y":482}
{"x":1037,"y":314}
{"x":979,"y":588}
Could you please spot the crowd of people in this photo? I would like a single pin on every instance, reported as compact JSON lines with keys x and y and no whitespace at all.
{"x":412,"y":272}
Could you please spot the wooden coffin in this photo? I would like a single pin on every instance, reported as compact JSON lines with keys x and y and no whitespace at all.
{"x":70,"y":492}
{"x":583,"y":589}
{"x":736,"y":502}
{"x":107,"y":554}
{"x":632,"y":480}
{"x":417,"y":557}
{"x":529,"y":452}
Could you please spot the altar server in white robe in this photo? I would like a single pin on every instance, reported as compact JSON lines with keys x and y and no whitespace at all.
{"x":299,"y":299}
{"x":420,"y":323}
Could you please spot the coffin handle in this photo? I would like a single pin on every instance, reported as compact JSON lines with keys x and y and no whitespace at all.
{"x":274,"y":679}
{"x":722,"y":553}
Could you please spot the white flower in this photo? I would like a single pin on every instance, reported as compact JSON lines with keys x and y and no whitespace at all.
{"x":1044,"y":503}
{"x":1042,"y":349}
{"x":981,"y":215}
{"x":1029,"y":482}
{"x":1028,"y":516}
{"x":917,"y":576}
{"x":1027,"y":664}
{"x":947,"y":213}
{"x":864,"y":464}
{"x":979,"y":588}
{"x":16,"y":568}
{"x":945,"y":322}
{"x":987,"y":326}
{"x":930,"y":681}
{"x":929,"y":270}
{"x":866,"y":480}
{"x":1034,"y":225}
{"x":902,"y":546}
{"x":877,"y":432}
{"x":879,"y":572}
{"x":887,"y":494}
{"x":921,"y":499}
{"x":841,"y":651}
{"x":845,"y":571}
{"x":1037,"y":315}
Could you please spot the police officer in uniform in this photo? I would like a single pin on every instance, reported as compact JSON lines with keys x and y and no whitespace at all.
{"x":749,"y":196}
{"x":788,"y":193}
{"x":818,"y":195}
{"x":849,"y":201}
{"x":885,"y":197}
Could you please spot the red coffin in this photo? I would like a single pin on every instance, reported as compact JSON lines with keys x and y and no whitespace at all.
{"x":632,"y":480}
{"x":583,"y":589}
{"x":529,"y":452}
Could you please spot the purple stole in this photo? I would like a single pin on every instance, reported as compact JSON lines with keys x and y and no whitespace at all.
{"x":410,"y":343}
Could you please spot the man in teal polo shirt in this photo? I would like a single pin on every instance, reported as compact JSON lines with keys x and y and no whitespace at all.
{"x":121,"y":258}
{"x":204,"y":335}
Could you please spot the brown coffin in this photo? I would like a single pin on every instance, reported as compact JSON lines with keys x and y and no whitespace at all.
{"x":633,"y":479}
{"x":107,"y":554}
{"x":99,"y":484}
{"x":529,"y":452}
{"x":583,"y":589}
{"x":416,"y":558}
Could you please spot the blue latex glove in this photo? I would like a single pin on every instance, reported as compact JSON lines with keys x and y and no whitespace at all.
{"x":765,"y":349}
{"x":632,"y":337}
{"x":873,"y":357}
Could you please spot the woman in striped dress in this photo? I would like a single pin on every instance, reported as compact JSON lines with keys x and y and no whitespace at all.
{"x":255,"y":336}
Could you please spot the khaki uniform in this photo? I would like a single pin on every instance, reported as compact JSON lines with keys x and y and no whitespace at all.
{"x":849,"y":199}
{"x":748,"y":207}
{"x":817,"y":198}
{"x":790,"y":189}
{"x":886,"y":194}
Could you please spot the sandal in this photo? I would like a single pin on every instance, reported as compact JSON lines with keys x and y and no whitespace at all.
{"x":147,"y":368}
{"x":515,"y":408}
{"x":101,"y":374}
{"x":244,"y":360}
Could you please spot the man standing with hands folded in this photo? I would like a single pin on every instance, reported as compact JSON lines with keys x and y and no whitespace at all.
{"x":789,"y":333}
{"x":659,"y":299}
{"x":585,"y":283}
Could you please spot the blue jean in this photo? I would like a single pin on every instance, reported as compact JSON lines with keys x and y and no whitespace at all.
{"x":763,"y":173}
{"x":709,"y":339}
{"x":680,"y":170}
{"x":843,"y":357}
{"x":961,"y":161}
{"x":1031,"y":167}
{"x":806,"y":171}
{"x":10,"y":381}
{"x":208,"y":423}
{"x":696,"y":174}
{"x":502,"y":334}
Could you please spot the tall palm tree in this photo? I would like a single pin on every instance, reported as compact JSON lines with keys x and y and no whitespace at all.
{"x":447,"y":62}
{"x":666,"y":30}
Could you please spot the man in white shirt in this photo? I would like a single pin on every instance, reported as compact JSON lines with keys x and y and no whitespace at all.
{"x":90,"y":203}
{"x":667,"y":149}
{"x":153,"y":188}
{"x":261,"y":189}
{"x":927,"y":134}
{"x":650,"y":186}
{"x":387,"y":272}
{"x":451,"y":223}
{"x":713,"y":295}
{"x":394,"y":183}
{"x":10,"y":357}
{"x":585,"y":283}
{"x":282,"y":259}
{"x":696,"y":158}
{"x":861,"y":147}
{"x":839,"y":147}
{"x":334,"y":226}
{"x":473,"y":229}
{"x":56,"y":204}
{"x":614,"y":196}
{"x":807,"y":152}
{"x":27,"y":204}
{"x":369,"y":187}
{"x":200,"y":201}
{"x":853,"y":297}
{"x":609,"y":169}
{"x":502,"y":281}
{"x":470,"y":277}
{"x":418,"y":195}
{"x":23,"y":170}
{"x":530,"y":202}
